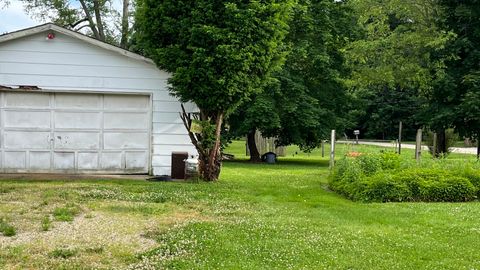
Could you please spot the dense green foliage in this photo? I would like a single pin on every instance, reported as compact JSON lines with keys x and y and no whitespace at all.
{"x":220,"y":53}
{"x":396,"y":64}
{"x":308,"y":96}
{"x":383,"y":178}
{"x":463,"y":18}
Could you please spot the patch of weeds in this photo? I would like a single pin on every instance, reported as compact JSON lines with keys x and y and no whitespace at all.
{"x":95,"y":250}
{"x":66,"y":213}
{"x":89,"y":215}
{"x":4,"y":190}
{"x":63,"y":194}
{"x":41,"y":205}
{"x":7,"y":229}
{"x":46,"y":223}
{"x":63,"y":253}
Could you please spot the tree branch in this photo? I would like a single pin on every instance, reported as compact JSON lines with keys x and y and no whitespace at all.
{"x":90,"y":19}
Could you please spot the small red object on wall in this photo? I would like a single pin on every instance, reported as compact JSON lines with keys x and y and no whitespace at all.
{"x":50,"y":36}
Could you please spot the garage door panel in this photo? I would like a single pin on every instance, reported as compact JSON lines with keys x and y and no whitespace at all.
{"x":77,"y":140}
{"x":136,"y":160}
{"x":125,"y":141}
{"x":70,"y":133}
{"x":64,"y":160}
{"x":116,"y":102}
{"x":39,"y":160}
{"x":111,"y":161}
{"x":28,"y":100}
{"x":77,"y":101}
{"x":87,"y":161}
{"x":78,"y":120}
{"x":15,"y":160}
{"x":27,"y":119}
{"x":125,"y":121}
{"x":26,"y":140}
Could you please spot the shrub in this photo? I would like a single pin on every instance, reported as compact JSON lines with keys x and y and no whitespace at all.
{"x":437,"y":185}
{"x":370,"y":163}
{"x":347,"y":173}
{"x":412,"y":184}
{"x":390,"y":160}
{"x":384,"y":188}
{"x":473,"y":176}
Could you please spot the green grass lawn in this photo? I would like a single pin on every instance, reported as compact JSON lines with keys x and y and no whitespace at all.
{"x":257,"y":216}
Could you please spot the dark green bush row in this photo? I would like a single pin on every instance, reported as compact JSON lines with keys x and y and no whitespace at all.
{"x":377,"y":178}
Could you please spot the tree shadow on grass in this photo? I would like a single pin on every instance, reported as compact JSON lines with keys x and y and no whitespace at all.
{"x":294,"y":162}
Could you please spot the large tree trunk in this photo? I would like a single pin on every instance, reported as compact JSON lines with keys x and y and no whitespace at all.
{"x":211,"y":172}
{"x":91,"y":23}
{"x":478,"y":146}
{"x":210,"y":159}
{"x":252,"y":147}
{"x":123,"y":41}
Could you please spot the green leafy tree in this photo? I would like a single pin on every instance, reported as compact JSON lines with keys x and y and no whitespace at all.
{"x":403,"y":49}
{"x":219,"y":53}
{"x":459,"y":99}
{"x":308,"y":96}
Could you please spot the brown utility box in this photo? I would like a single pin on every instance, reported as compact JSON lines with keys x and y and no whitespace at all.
{"x":178,"y":164}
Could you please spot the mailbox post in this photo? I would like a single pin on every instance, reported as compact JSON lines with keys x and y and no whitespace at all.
{"x":356,"y":133}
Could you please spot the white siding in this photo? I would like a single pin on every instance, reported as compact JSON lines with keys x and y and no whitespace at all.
{"x":72,"y":65}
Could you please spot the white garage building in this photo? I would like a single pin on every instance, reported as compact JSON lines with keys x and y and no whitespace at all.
{"x":73,"y":104}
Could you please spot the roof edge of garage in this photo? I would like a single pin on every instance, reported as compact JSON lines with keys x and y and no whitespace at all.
{"x":53,"y":27}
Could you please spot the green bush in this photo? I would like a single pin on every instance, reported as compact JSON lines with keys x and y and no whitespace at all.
{"x":347,"y":173}
{"x":390,"y":160}
{"x":437,"y":185}
{"x":383,"y":188}
{"x":378,"y":178}
{"x":370,"y":163}
{"x":473,"y":176}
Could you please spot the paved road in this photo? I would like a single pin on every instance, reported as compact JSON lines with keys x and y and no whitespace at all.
{"x":461,"y":150}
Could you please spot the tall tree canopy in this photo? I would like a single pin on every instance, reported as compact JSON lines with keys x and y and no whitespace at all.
{"x":219,"y":53}
{"x":399,"y":64}
{"x":462,"y":94}
{"x":308,"y":96}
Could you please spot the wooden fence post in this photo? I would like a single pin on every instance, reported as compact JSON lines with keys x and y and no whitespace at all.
{"x":323,"y":148}
{"x":332,"y":149}
{"x":418,"y":145}
{"x":400,"y":126}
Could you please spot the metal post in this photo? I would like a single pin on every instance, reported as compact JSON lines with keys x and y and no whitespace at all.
{"x":400,"y":125}
{"x":434,"y":150}
{"x":332,"y":149}
{"x":418,"y":145}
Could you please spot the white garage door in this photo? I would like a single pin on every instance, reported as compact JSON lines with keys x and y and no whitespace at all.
{"x":74,"y":133}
